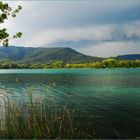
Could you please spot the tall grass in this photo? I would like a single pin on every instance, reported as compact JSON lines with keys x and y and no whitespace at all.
{"x":36,"y":119}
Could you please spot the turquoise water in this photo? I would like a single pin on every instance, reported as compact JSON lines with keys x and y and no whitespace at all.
{"x":110,"y":96}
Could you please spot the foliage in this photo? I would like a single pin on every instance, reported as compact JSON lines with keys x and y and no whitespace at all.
{"x":57,"y":64}
{"x":5,"y":12}
{"x":108,"y":63}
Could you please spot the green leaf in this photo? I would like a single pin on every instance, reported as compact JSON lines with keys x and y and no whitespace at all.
{"x":5,"y":12}
{"x":1,"y":5}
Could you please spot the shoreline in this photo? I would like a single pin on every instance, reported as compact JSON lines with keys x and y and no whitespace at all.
{"x":69,"y":68}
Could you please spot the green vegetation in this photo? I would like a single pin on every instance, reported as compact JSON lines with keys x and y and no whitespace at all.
{"x":107,"y":63}
{"x":5,"y":12}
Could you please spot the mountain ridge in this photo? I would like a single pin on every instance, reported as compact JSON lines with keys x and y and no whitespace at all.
{"x":50,"y":55}
{"x":43,"y":55}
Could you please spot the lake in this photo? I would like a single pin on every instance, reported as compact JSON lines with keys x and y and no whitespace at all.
{"x":110,"y":96}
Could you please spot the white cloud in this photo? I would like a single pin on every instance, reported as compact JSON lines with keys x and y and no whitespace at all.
{"x":97,"y":33}
{"x":110,"y":32}
{"x":132,"y":29}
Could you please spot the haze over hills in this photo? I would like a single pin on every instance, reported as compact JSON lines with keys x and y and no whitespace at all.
{"x":49,"y":55}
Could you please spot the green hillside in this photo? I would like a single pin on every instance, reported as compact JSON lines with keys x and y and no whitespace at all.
{"x":43,"y":55}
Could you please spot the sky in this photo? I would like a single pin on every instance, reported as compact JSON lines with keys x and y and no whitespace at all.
{"x":101,"y":28}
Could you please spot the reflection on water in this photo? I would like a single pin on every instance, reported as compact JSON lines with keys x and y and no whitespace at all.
{"x":110,"y":96}
{"x":2,"y":109}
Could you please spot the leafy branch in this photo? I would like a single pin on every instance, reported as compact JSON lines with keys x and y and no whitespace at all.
{"x":5,"y":12}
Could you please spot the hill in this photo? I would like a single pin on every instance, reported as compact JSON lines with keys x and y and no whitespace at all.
{"x":43,"y":55}
{"x":129,"y":57}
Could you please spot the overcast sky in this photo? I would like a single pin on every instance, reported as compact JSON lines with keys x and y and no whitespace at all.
{"x":95,"y":27}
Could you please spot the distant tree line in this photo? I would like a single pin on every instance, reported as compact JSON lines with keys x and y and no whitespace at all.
{"x":107,"y":63}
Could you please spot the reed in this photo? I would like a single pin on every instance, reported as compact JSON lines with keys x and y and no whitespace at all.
{"x":38,"y":120}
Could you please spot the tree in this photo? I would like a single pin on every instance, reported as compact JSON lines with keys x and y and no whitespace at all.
{"x":109,"y":62}
{"x":5,"y":12}
{"x":58,"y":64}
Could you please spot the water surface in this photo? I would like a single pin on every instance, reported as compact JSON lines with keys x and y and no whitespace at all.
{"x":110,"y":96}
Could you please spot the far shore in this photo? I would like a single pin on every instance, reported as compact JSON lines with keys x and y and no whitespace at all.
{"x":107,"y":63}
